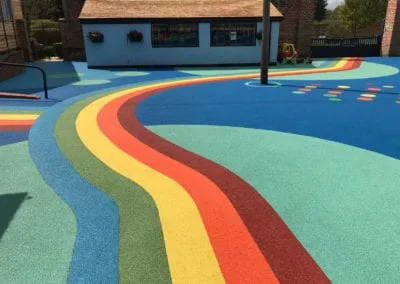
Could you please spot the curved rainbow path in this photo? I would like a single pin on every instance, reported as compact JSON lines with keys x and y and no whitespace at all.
{"x":149,"y":211}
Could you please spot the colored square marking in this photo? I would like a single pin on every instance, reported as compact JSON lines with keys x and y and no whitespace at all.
{"x":368,"y":95}
{"x":335,"y":100}
{"x":311,"y":87}
{"x":374,"y":89}
{"x":335,"y":92}
{"x":364,"y":99}
{"x":304,"y":90}
{"x":330,"y":95}
{"x":388,"y":87}
{"x":343,"y":87}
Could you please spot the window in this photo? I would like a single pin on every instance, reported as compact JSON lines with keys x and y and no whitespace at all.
{"x":5,"y":11}
{"x":175,"y":35}
{"x":233,"y":34}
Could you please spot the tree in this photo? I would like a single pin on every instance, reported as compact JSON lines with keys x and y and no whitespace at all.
{"x":320,"y":10}
{"x":335,"y":26}
{"x":358,"y":14}
{"x":41,"y":9}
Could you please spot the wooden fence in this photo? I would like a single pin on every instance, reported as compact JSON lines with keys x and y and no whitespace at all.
{"x":348,"y":47}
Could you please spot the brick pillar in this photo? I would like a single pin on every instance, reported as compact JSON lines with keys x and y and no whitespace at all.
{"x":288,"y":28}
{"x":21,"y":32}
{"x":71,"y":31}
{"x":391,"y":35}
{"x":297,"y":25}
{"x":305,"y":27}
{"x":7,"y":72}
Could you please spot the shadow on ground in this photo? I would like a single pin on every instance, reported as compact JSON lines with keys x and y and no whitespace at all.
{"x":9,"y":205}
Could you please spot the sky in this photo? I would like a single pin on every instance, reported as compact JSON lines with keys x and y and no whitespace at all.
{"x":333,"y":3}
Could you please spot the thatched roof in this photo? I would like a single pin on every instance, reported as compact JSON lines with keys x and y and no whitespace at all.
{"x":174,"y":9}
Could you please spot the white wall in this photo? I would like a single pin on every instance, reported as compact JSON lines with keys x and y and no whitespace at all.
{"x":116,"y":50}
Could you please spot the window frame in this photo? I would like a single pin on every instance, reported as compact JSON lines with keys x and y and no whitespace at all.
{"x":176,"y":23}
{"x":254,"y":42}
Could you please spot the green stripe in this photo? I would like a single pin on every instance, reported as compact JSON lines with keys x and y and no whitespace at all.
{"x":142,"y":256}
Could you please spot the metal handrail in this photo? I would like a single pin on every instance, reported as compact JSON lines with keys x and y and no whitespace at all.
{"x":46,"y":95}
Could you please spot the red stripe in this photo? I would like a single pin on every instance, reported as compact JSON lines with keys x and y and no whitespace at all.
{"x":287,"y":257}
{"x":233,"y":245}
{"x":15,"y":127}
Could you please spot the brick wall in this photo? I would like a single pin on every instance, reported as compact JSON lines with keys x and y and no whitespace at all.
{"x":7,"y":42}
{"x":21,"y":31}
{"x":297,"y":25}
{"x":71,"y":30}
{"x":391,"y":36}
{"x":17,"y":33}
{"x":17,"y":9}
{"x":7,"y":72}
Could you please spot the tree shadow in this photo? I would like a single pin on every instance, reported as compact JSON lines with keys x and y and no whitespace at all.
{"x":9,"y":205}
{"x":59,"y":74}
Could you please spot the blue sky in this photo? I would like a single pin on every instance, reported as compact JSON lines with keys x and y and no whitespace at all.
{"x":333,"y":3}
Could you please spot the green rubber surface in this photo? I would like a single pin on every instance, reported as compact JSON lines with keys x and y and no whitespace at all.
{"x":323,"y":190}
{"x":40,"y":234}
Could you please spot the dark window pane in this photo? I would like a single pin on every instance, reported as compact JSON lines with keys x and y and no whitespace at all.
{"x":175,"y":35}
{"x":233,"y":34}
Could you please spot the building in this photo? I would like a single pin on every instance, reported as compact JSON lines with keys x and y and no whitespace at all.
{"x":170,"y":32}
{"x":14,"y":41}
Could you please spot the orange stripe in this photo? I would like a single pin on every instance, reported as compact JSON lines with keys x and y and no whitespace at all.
{"x":5,"y":122}
{"x":240,"y":259}
{"x":364,"y":99}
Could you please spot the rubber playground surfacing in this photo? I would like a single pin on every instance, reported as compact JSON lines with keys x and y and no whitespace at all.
{"x":203,"y":175}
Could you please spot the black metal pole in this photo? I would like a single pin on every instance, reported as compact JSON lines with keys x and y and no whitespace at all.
{"x":265,"y":45}
{"x":46,"y":94}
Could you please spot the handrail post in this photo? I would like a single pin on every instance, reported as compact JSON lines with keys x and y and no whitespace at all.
{"x":46,"y":94}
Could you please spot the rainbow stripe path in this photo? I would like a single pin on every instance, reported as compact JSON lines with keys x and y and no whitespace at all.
{"x":149,"y":211}
{"x":17,"y":121}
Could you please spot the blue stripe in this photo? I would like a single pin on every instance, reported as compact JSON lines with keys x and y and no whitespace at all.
{"x":95,"y":257}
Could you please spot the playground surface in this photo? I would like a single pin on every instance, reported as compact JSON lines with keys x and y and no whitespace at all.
{"x":202,"y":175}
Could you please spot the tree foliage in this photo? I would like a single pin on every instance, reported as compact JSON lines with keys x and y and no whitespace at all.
{"x":358,"y":14}
{"x":42,"y":9}
{"x":320,"y":10}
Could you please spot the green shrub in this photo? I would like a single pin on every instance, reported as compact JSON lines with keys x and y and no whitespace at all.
{"x":49,"y":51}
{"x":58,"y":47}
{"x":46,"y":32}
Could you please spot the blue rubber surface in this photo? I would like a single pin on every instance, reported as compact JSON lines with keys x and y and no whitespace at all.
{"x":369,"y":125}
{"x":9,"y":137}
{"x":95,"y":258}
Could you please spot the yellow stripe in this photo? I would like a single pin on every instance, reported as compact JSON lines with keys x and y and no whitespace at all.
{"x":4,"y":116}
{"x":190,"y":255}
{"x":368,"y":95}
{"x":340,"y":64}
